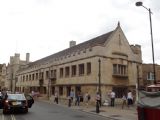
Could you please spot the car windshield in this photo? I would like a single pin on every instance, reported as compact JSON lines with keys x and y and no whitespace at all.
{"x":16,"y":97}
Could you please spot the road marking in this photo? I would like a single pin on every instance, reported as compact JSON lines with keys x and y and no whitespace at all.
{"x":2,"y":117}
{"x":13,"y":117}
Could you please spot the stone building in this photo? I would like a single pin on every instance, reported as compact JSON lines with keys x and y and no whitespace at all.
{"x":148,"y":74}
{"x":11,"y":70}
{"x":3,"y":82}
{"x":106,"y":62}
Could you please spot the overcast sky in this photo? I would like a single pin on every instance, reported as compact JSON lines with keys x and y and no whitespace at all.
{"x":44,"y":27}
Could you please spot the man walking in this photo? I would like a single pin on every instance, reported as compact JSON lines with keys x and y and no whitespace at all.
{"x":112,"y":98}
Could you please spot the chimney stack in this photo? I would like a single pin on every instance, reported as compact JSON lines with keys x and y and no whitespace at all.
{"x":72,"y":43}
{"x":27,"y":57}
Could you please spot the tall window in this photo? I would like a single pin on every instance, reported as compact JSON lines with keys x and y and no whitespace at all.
{"x":23,"y":78}
{"x":150,"y":76}
{"x":36,"y":76}
{"x":41,"y":75}
{"x":47,"y":74}
{"x":88,"y":68}
{"x":119,"y":69}
{"x":61,"y":72}
{"x":55,"y":73}
{"x":81,"y":69}
{"x":32,"y":76}
{"x":51,"y":73}
{"x":74,"y":70}
{"x":26,"y":77}
{"x":61,"y":90}
{"x":67,"y":71}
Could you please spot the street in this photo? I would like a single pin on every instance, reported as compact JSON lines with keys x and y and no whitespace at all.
{"x":47,"y":111}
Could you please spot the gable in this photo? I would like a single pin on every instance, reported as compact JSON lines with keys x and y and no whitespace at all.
{"x":118,"y":46}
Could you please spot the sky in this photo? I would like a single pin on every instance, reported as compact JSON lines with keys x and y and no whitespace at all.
{"x":45,"y":27}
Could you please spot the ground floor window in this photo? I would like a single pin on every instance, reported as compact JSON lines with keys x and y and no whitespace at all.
{"x":53,"y":90}
{"x":119,"y":91}
{"x":61,"y":90}
{"x":68,"y":90}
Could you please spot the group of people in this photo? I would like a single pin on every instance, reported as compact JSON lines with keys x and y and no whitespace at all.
{"x":78,"y":97}
{"x":127,"y":99}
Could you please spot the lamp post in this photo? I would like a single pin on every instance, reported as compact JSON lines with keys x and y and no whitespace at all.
{"x":98,"y":96}
{"x":99,"y":81}
{"x":149,"y":10}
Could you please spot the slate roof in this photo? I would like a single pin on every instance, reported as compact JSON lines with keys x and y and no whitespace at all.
{"x":100,"y":40}
{"x":97,"y":41}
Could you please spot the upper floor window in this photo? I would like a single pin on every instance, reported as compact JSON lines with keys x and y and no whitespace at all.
{"x":67,"y":71}
{"x":55,"y":73}
{"x":41,"y":75}
{"x":26,"y":77}
{"x":81,"y":69}
{"x":32,"y":76}
{"x":36,"y":76}
{"x":51,"y":73}
{"x":47,"y":74}
{"x":74,"y":70}
{"x":88,"y":68}
{"x":119,"y":69}
{"x":61,"y":72}
{"x":150,"y":76}
{"x":23,"y":78}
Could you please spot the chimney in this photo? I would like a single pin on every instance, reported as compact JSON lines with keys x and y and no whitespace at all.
{"x":27,"y":57}
{"x":72,"y":43}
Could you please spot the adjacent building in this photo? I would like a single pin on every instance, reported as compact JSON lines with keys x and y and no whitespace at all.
{"x":3,"y":76}
{"x":148,"y":74}
{"x":11,"y":70}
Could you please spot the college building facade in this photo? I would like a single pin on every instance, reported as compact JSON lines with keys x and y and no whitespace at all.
{"x":103,"y":63}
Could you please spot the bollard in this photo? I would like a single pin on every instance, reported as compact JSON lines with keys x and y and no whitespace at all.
{"x":97,"y":107}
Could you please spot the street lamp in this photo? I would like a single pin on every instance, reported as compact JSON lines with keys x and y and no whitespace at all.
{"x":149,"y":10}
{"x":99,"y":82}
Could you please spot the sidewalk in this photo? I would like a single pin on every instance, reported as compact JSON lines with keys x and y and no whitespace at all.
{"x":116,"y":113}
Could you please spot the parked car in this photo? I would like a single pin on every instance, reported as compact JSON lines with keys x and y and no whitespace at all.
{"x":17,"y":103}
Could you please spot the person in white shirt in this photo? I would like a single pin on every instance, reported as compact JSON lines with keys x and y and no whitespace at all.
{"x":98,"y":99}
{"x":129,"y":98}
{"x":112,"y":95}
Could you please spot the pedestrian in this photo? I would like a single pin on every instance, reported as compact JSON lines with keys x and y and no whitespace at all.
{"x":32,"y":93}
{"x":87,"y":98}
{"x":71,"y":95}
{"x":112,"y":98}
{"x":124,"y":100}
{"x":129,"y":98}
{"x":78,"y":95}
{"x":98,"y":99}
{"x":56,"y":97}
{"x":4,"y":94}
{"x":69,"y":101}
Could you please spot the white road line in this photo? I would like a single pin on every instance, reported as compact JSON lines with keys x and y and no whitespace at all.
{"x":13,"y":117}
{"x":2,"y":116}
